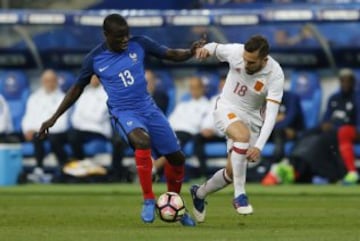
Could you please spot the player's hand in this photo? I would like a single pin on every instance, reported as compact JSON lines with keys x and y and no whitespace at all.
{"x":202,"y":54}
{"x":198,"y":44}
{"x":253,"y":154}
{"x":327,"y":126}
{"x":44,"y":129}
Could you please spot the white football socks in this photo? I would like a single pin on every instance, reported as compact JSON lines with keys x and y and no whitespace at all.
{"x":239,"y":165}
{"x":218,"y":181}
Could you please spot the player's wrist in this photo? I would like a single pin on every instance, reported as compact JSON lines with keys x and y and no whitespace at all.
{"x":259,"y":147}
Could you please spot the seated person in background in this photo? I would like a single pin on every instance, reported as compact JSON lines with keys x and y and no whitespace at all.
{"x":160,"y":97}
{"x":90,"y":121}
{"x":41,"y":104}
{"x":289,"y":124}
{"x":5,"y":120}
{"x":208,"y":132}
{"x":188,"y":115}
{"x":316,"y":156}
{"x":347,"y":135}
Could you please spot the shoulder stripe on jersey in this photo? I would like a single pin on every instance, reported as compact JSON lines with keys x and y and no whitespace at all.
{"x":275,"y":101}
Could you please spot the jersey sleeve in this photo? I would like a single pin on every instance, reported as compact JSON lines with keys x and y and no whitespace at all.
{"x":222,"y":51}
{"x":151,"y":47}
{"x":86,"y":71}
{"x":276,"y":88}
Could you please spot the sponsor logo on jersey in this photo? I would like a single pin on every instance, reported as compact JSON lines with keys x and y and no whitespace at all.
{"x":129,"y":123}
{"x":133,"y":56}
{"x":103,"y":68}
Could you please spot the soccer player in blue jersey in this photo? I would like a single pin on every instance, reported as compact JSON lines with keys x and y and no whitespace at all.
{"x":119,"y":64}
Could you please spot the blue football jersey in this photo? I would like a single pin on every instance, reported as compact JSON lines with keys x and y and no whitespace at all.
{"x":122,"y":74}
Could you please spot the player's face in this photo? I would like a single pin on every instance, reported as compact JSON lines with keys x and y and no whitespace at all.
{"x":49,"y":81}
{"x":118,"y":39}
{"x":253,"y":63}
{"x":347,"y":84}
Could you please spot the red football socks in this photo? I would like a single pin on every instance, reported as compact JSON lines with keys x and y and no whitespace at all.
{"x":346,"y":137}
{"x":174,"y":177}
{"x":144,"y":166}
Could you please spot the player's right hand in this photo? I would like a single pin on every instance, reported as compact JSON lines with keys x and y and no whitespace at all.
{"x":44,"y":129}
{"x":202,"y":53}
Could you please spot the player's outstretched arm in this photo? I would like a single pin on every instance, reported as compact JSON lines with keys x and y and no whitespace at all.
{"x":71,"y":96}
{"x":179,"y":55}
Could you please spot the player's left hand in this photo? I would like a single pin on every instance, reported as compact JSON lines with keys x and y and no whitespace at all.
{"x":253,"y":154}
{"x":198,"y":44}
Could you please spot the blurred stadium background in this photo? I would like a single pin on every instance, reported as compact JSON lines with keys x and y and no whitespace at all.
{"x":311,"y":39}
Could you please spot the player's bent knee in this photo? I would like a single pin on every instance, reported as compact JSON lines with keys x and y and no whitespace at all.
{"x":139,"y":139}
{"x":238,"y":132}
{"x":176,"y":158}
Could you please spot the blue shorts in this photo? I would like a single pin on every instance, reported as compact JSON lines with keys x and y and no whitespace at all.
{"x":162,"y":137}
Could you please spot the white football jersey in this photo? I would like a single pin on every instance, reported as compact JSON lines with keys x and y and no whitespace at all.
{"x":247,"y":93}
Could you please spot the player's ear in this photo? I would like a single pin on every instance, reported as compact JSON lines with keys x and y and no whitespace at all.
{"x":265,"y":59}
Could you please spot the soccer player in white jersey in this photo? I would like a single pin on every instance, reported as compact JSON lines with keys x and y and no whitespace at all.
{"x":245,"y":111}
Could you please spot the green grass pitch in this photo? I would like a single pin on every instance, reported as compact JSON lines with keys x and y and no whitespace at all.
{"x":111,"y":212}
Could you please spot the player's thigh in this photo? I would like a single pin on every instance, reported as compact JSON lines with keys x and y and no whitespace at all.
{"x":131,"y":128}
{"x":163,"y":138}
{"x":232,"y":124}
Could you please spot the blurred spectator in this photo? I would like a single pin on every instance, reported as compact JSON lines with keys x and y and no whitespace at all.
{"x":208,"y":132}
{"x":347,"y":135}
{"x":304,"y":38}
{"x":41,"y":104}
{"x":289,"y":124}
{"x":5,"y":120}
{"x":188,"y":115}
{"x":316,"y":154}
{"x":90,"y":119}
{"x":160,"y":97}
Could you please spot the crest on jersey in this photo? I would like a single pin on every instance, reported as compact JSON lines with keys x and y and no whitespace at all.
{"x":238,"y":70}
{"x":133,"y":56}
{"x":231,"y":115}
{"x":259,"y":85}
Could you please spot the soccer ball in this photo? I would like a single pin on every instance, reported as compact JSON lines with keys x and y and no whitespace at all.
{"x":170,"y":207}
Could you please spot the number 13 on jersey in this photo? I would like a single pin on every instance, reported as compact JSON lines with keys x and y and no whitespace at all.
{"x":126,"y":78}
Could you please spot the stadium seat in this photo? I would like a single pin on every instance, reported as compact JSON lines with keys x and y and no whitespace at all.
{"x":96,"y":146}
{"x":66,"y":79}
{"x":307,"y":86}
{"x":217,"y":149}
{"x":14,"y":86}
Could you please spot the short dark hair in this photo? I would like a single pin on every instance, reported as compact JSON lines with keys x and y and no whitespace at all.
{"x":258,"y":43}
{"x":112,"y":19}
